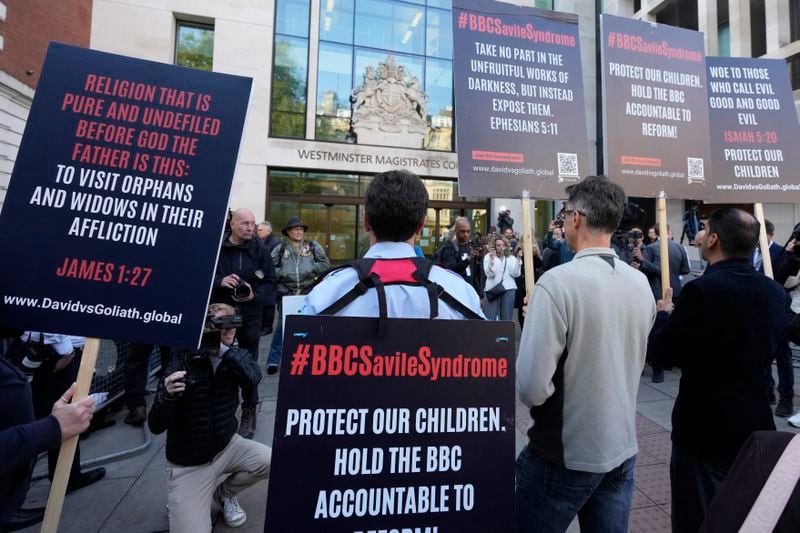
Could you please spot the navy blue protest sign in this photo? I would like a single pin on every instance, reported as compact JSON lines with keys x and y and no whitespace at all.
{"x":655,"y":112}
{"x":112,"y":222}
{"x":754,"y":131}
{"x":520,"y":115}
{"x":411,"y":431}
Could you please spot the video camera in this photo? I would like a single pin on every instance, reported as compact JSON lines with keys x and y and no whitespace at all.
{"x":209,"y":342}
{"x":213,"y":327}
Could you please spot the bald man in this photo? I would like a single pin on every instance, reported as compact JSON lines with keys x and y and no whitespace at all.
{"x":245,"y":279}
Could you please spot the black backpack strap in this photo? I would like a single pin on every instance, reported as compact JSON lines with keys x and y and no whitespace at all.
{"x":383,"y":309}
{"x":365,"y":281}
{"x":436,"y":292}
{"x":453,"y":302}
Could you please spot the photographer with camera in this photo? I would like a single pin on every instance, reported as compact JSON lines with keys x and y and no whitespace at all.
{"x":462,"y":256}
{"x":555,"y":240}
{"x":245,"y":278}
{"x":196,"y":405}
{"x":629,"y":245}
{"x":504,"y":221}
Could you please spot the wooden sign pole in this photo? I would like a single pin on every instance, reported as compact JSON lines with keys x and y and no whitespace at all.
{"x":58,"y":489}
{"x":527,"y":243}
{"x":763,"y":241}
{"x":662,"y":240}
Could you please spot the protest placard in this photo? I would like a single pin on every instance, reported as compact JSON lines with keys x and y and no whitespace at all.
{"x":655,"y":111}
{"x":412,"y":431}
{"x":754,"y":131}
{"x":112,"y":222}
{"x":521,"y":120}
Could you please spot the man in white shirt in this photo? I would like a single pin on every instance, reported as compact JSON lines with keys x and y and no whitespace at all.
{"x":396,"y":203}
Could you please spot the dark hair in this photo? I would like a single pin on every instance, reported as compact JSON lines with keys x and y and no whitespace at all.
{"x":395,"y":204}
{"x":601,"y":200}
{"x":769,"y":227}
{"x":737,"y":231}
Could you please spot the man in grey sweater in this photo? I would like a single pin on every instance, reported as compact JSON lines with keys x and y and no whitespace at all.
{"x":580,"y":359}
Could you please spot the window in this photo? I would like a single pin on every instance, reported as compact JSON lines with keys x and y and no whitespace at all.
{"x":336,"y":21}
{"x":758,"y":28}
{"x":794,"y":19}
{"x":355,"y":34}
{"x":289,"y":79}
{"x":440,"y":34}
{"x":794,"y":71}
{"x":724,"y":40}
{"x":439,"y":85}
{"x":292,"y":16}
{"x":335,"y":82}
{"x":290,"y":69}
{"x":389,"y":25}
{"x":194,"y":46}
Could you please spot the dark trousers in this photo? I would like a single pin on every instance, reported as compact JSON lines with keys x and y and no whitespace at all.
{"x":783,"y":360}
{"x":47,"y":387}
{"x":694,"y":484}
{"x":268,"y":316}
{"x":137,"y":368}
{"x":248,"y":336}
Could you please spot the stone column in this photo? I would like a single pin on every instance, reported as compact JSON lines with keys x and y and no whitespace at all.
{"x":707,"y":24}
{"x":739,"y":18}
{"x":777,"y":24}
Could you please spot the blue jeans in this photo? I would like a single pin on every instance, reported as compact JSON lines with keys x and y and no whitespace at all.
{"x":502,"y":308}
{"x":549,"y":496}
{"x":276,"y":347}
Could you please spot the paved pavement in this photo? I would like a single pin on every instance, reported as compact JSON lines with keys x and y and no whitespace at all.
{"x":132,"y":497}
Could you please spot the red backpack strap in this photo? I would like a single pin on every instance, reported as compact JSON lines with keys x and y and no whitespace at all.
{"x":376,"y":273}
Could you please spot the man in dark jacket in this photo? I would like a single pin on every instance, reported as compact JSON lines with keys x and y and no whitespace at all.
{"x":245,"y":278}
{"x":196,"y":405}
{"x":649,"y":260}
{"x":724,"y":331}
{"x":461,"y":257}
{"x":22,"y":439}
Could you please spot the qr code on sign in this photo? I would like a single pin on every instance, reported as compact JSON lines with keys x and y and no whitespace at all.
{"x":695,"y":168}
{"x":568,"y":165}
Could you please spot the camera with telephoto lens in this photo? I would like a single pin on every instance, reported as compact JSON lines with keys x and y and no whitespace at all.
{"x":242,"y":291}
{"x":29,"y":356}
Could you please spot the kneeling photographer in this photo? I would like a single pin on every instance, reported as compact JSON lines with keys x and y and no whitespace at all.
{"x":196,"y":405}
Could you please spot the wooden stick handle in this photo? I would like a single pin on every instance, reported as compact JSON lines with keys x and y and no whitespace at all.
{"x":58,"y":489}
{"x":663,"y":245}
{"x":763,"y":240}
{"x":527,"y":245}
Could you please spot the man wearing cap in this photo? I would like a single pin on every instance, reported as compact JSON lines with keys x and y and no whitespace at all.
{"x":298,"y":262}
{"x":245,"y":279}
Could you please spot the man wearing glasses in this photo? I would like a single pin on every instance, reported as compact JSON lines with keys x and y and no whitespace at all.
{"x":581,"y":354}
